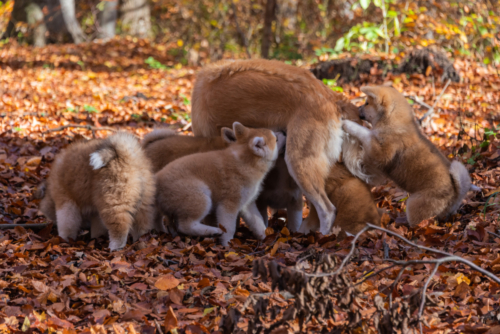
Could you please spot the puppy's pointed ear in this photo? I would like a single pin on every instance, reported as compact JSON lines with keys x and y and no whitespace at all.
{"x":228,"y":135}
{"x":370,"y":91}
{"x":239,"y":129}
{"x":258,"y":146}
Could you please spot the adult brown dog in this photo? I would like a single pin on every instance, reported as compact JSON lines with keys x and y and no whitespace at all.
{"x":397,"y":148}
{"x":271,"y":94}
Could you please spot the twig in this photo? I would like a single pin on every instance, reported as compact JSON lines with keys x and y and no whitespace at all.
{"x":416,"y":99}
{"x":422,"y":302}
{"x":32,"y":226}
{"x":88,"y":127}
{"x":158,"y":327}
{"x":243,"y":37}
{"x":431,"y":111}
{"x":493,"y":234}
{"x":346,"y":259}
{"x":375,"y":274}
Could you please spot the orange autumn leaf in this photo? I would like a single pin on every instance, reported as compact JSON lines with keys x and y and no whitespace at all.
{"x":167,"y":282}
{"x":170,"y":320}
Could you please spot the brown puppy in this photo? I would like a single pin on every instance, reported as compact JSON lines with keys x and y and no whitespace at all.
{"x":162,"y":146}
{"x":108,"y":181}
{"x":353,"y":199}
{"x":397,"y":148}
{"x":270,"y":94}
{"x":225,"y":181}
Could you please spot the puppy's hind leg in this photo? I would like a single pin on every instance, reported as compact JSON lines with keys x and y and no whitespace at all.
{"x":118,"y":220}
{"x":69,"y":220}
{"x":190,"y":220}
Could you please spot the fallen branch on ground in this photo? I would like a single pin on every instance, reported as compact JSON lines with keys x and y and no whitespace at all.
{"x":315,"y":291}
{"x":88,"y":127}
{"x":431,"y":110}
{"x":32,"y":226}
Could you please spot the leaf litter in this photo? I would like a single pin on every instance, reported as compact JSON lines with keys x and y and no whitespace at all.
{"x":192,"y":285}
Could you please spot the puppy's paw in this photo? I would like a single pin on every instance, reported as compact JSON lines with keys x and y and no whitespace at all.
{"x":217,"y":233}
{"x":348,"y":126}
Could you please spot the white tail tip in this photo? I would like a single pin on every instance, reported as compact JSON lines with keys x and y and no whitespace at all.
{"x":475,"y":188}
{"x":96,"y":161}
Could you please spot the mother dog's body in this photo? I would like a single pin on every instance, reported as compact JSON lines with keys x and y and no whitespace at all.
{"x":262,"y":93}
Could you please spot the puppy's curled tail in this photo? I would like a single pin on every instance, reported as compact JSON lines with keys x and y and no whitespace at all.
{"x":157,"y":134}
{"x":121,"y":145}
{"x":462,"y":181}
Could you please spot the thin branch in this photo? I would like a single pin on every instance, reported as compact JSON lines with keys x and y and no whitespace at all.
{"x":419,"y":101}
{"x":32,"y":226}
{"x":493,"y":234}
{"x":375,"y":274}
{"x":346,"y":259}
{"x":424,"y":290}
{"x":88,"y":127}
{"x":449,"y":257}
{"x":158,"y":327}
{"x":431,"y":111}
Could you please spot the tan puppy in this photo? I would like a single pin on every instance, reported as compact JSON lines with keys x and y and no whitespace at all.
{"x":226,"y":181}
{"x":397,"y":148}
{"x":108,"y":181}
{"x":353,"y":199}
{"x":279,"y":189}
{"x":270,"y":94}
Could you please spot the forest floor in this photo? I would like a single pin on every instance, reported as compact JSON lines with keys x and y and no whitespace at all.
{"x":187,"y":285}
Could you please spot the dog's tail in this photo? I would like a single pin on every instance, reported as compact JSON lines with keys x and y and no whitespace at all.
{"x":463,"y":184}
{"x":122,"y":146}
{"x":157,"y":134}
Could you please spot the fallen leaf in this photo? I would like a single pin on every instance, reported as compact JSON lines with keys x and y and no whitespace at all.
{"x":170,"y":320}
{"x":167,"y":282}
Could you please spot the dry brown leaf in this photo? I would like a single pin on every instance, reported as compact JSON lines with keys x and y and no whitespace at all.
{"x":166,"y":282}
{"x":170,"y":320}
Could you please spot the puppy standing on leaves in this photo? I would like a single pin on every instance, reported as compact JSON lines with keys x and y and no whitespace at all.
{"x":397,"y":148}
{"x":226,"y":181}
{"x":108,"y":181}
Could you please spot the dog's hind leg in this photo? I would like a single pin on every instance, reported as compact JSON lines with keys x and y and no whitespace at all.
{"x":309,"y":154}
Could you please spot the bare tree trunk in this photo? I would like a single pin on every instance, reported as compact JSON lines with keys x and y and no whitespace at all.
{"x":35,"y":18}
{"x":29,"y":12}
{"x":69,"y":15}
{"x":136,"y":17}
{"x":107,"y":19}
{"x":269,"y":17}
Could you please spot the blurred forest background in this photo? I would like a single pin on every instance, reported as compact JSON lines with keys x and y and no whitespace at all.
{"x":191,"y":32}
